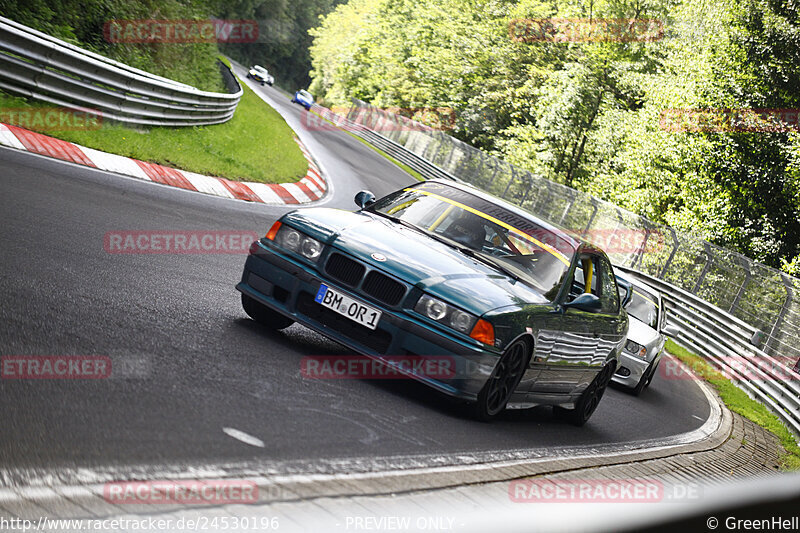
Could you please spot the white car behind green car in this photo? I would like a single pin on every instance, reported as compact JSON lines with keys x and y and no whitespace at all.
{"x":647,"y":333}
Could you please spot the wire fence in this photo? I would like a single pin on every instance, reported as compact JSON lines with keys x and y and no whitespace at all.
{"x":762,"y":297}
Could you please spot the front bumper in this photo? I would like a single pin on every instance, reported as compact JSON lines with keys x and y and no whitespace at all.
{"x":635,"y":365}
{"x":288,"y":285}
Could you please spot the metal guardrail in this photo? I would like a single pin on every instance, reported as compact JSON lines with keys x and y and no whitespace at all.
{"x":741,"y":315}
{"x":727,"y":342}
{"x":397,"y":151}
{"x":42,"y":67}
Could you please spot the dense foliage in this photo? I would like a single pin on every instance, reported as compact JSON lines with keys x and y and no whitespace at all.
{"x":588,"y":114}
{"x":283,"y":43}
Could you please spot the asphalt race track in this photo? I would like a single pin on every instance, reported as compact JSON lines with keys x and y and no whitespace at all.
{"x":187,"y":362}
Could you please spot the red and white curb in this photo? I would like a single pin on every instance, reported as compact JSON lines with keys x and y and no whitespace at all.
{"x":310,"y":188}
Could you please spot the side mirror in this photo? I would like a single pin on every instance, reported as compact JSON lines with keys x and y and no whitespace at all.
{"x":670,"y":330}
{"x":627,"y":287}
{"x":585,"y":302}
{"x":364,"y":199}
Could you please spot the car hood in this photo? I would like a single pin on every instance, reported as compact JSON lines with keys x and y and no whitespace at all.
{"x":430,"y":265}
{"x":641,"y":333}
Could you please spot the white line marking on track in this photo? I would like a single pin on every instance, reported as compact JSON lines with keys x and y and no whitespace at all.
{"x":243,"y":437}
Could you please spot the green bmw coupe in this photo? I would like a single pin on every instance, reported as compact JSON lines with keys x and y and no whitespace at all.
{"x":523,"y":313}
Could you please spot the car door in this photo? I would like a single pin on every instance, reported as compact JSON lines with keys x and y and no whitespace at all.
{"x":583,"y":339}
{"x":614,"y":327}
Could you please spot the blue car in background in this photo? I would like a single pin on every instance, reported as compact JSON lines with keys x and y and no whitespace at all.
{"x":303,"y":98}
{"x":526,"y":314}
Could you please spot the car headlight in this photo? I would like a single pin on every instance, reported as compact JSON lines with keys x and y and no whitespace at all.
{"x":461,"y":321}
{"x":443,"y":313}
{"x":310,"y":248}
{"x":434,"y":308}
{"x":295,"y":241}
{"x":636,"y":349}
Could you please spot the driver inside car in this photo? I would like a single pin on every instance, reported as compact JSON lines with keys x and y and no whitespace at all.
{"x":468,"y":229}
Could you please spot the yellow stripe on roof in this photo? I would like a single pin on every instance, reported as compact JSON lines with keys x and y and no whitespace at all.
{"x":560,"y":256}
{"x":397,"y":208}
{"x":646,"y":298}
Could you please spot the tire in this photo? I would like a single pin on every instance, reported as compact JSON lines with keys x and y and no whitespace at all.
{"x":590,"y":399}
{"x":637,"y":390}
{"x":647,"y":378}
{"x":264,"y":315}
{"x":643,"y":381}
{"x":653,"y":373}
{"x":507,"y":374}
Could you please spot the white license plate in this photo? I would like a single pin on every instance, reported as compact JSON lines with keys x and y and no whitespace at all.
{"x":346,"y":306}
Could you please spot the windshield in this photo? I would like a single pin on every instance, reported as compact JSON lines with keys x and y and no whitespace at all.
{"x":536,"y":256}
{"x":643,"y":307}
{"x":306,"y":94}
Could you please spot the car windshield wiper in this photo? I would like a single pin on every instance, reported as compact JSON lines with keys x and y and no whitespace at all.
{"x":402,"y":222}
{"x":488,"y":260}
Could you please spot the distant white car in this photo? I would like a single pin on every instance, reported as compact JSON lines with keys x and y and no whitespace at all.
{"x":260,"y":74}
{"x":646,"y":337}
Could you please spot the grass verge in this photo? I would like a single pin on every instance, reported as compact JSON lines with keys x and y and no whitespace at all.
{"x":739,"y":402}
{"x":255,"y":145}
